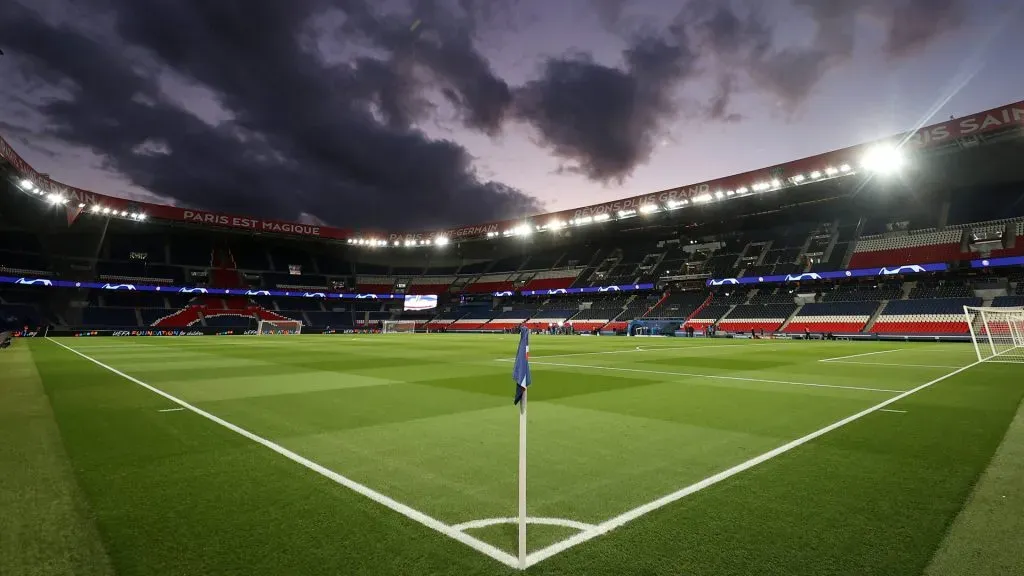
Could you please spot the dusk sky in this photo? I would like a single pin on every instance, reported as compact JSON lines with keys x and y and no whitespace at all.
{"x":416,"y":114}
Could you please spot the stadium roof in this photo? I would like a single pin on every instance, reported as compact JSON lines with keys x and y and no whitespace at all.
{"x":839,"y":164}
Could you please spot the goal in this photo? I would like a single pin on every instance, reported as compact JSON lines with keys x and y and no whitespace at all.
{"x":394,"y":326}
{"x":997,"y":333}
{"x":275,"y":327}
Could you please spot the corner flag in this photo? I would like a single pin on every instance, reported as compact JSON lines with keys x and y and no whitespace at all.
{"x":521,"y":376}
{"x":521,"y":370}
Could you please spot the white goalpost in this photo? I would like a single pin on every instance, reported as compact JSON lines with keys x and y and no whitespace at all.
{"x":397,"y":326}
{"x":997,"y":333}
{"x":277,"y":327}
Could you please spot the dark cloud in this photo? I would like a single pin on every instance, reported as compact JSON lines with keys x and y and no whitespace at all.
{"x":316,"y":103}
{"x":332,"y":142}
{"x":741,"y":37}
{"x":604,"y":120}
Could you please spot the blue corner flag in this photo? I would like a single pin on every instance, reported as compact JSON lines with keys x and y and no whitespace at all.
{"x":521,"y":370}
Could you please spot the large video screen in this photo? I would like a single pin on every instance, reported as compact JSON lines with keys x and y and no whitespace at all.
{"x":420,"y":301}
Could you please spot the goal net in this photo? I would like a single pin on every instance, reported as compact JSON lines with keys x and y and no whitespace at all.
{"x":395,"y":326}
{"x":275,"y":327}
{"x":997,"y":333}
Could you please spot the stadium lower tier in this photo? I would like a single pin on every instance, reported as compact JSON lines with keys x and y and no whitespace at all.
{"x":743,"y":325}
{"x":939,"y":324}
{"x":825,"y":327}
{"x":826,"y":324}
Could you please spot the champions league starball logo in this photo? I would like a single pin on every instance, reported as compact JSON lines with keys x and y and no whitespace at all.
{"x":608,"y":289}
{"x":192,"y":291}
{"x":802,"y":277}
{"x":910,"y":269}
{"x":119,"y":287}
{"x":34,"y":282}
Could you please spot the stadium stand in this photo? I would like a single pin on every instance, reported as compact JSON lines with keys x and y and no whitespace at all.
{"x":927,"y":316}
{"x":832,"y":317}
{"x":921,"y":247}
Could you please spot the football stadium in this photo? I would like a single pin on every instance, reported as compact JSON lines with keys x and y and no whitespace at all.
{"x":811,"y":368}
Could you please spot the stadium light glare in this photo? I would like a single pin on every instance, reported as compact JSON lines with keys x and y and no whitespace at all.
{"x":106,"y":210}
{"x":742,"y":190}
{"x":124,"y":213}
{"x":525,"y":230}
{"x":883,"y":159}
{"x":844,"y":168}
{"x":601,"y":218}
{"x":142,"y":216}
{"x":441,"y":241}
{"x":816,"y":174}
{"x":703,"y":198}
{"x":27,"y":184}
{"x":719,"y":195}
{"x":95,"y":208}
{"x":799,"y":178}
{"x":830,"y":171}
{"x":56,"y":199}
{"x":776,"y":183}
{"x":649,"y":208}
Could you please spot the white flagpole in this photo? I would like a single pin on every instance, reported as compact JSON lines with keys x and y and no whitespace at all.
{"x":522,"y":482}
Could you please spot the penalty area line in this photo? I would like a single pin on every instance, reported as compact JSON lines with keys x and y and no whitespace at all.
{"x":716,"y":377}
{"x":629,"y":516}
{"x":403,"y":509}
{"x":859,"y":355}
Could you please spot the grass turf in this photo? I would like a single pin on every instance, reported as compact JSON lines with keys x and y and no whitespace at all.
{"x":428,"y":421}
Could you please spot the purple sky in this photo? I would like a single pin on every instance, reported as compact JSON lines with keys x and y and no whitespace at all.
{"x":707,"y":89}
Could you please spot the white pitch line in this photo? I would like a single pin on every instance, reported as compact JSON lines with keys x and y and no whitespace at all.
{"x":407,"y":511}
{"x":859,"y":355}
{"x":473,"y":524}
{"x":171,"y":410}
{"x":716,"y":377}
{"x":893,"y":411}
{"x":892,"y":364}
{"x":620,"y":520}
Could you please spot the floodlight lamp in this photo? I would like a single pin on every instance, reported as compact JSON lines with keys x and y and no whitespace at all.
{"x":883,"y":159}
{"x":719,"y":195}
{"x":742,"y":190}
{"x":124,"y":212}
{"x":844,"y":168}
{"x":816,"y":174}
{"x":830,"y":171}
{"x":27,"y":184}
{"x":649,"y":208}
{"x":95,"y":208}
{"x":441,"y":241}
{"x":799,"y":178}
{"x":142,"y":216}
{"x":601,"y":217}
{"x":106,"y":210}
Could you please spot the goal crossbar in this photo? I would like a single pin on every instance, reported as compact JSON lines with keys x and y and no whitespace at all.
{"x":278,"y":327}
{"x":997,"y":333}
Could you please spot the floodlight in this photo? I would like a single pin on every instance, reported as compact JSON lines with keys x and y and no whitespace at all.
{"x":883,"y":159}
{"x":799,"y":178}
{"x":649,"y":208}
{"x":142,"y":216}
{"x":96,"y":208}
{"x":844,"y":168}
{"x":830,"y":171}
{"x":124,"y":212}
{"x":742,"y":190}
{"x":776,"y":183}
{"x":106,"y":210}
{"x":27,"y":184}
{"x":816,"y":174}
{"x":601,"y":217}
{"x":441,"y":241}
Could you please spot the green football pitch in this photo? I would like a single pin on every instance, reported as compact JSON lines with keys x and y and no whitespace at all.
{"x":397,"y":454}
